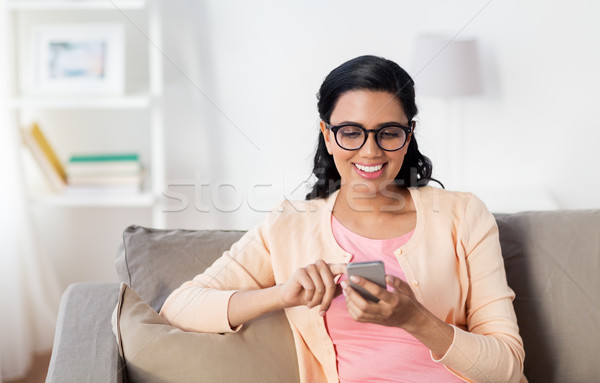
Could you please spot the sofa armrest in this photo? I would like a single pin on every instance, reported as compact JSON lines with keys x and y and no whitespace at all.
{"x":85,"y":349}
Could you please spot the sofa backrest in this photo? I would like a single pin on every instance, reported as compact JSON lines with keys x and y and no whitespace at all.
{"x":552,"y":261}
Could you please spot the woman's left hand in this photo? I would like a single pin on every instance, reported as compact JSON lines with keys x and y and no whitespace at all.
{"x":397,"y":308}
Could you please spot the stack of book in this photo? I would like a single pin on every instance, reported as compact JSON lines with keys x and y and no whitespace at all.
{"x":120,"y":173}
{"x":104,"y":174}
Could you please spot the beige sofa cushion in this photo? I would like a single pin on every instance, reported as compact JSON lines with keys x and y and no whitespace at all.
{"x":155,"y":262}
{"x":154,"y":351}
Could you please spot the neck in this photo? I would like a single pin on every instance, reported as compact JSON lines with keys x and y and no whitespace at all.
{"x":359,"y":199}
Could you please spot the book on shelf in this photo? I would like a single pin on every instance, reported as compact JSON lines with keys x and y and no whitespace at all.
{"x":105,"y":173}
{"x":45,"y":156}
{"x":104,"y":164}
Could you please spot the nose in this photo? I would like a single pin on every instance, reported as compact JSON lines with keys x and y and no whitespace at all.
{"x":370,"y":148}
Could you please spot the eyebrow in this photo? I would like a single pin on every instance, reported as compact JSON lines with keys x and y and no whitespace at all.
{"x":378,"y":125}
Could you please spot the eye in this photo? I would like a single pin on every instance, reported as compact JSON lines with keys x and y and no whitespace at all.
{"x":350,"y":132}
{"x":391,"y":133}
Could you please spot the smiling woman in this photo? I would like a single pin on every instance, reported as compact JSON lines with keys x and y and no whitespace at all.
{"x":446,"y":314}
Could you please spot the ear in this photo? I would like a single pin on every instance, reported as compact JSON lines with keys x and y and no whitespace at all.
{"x":326,"y":135}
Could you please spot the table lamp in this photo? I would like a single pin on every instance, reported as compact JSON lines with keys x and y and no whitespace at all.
{"x":447,"y":67}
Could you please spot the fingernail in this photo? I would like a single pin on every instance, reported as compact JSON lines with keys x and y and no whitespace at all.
{"x":344,"y":284}
{"x":354,"y":278}
{"x":322,"y":313}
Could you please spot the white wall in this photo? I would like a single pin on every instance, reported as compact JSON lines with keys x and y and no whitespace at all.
{"x":241,"y":79}
{"x":529,"y":141}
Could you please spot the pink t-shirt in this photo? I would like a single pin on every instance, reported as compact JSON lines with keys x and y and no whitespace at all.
{"x":368,"y":352}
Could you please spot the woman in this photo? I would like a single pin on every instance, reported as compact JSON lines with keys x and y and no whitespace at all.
{"x":446,"y":314}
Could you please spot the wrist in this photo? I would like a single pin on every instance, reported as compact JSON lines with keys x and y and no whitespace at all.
{"x":433,"y":332}
{"x":280,"y":302}
{"x":418,"y":321}
{"x":245,"y":305}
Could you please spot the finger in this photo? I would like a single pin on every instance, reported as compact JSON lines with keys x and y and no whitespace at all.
{"x":360,"y":316}
{"x":353,"y":298}
{"x":330,"y":286}
{"x":392,"y":281}
{"x":307,"y":285}
{"x":358,"y":307}
{"x":337,"y":268}
{"x":373,"y":288}
{"x":338,"y":291}
{"x":353,"y":311}
{"x":319,"y":286}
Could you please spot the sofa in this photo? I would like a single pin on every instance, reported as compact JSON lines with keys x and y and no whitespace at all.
{"x":552,"y":260}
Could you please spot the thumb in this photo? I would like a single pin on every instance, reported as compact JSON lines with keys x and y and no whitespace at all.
{"x":393,"y":281}
{"x":397,"y":284}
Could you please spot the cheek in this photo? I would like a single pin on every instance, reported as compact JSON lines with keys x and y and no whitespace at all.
{"x":397,"y":158}
{"x":341,"y":154}
{"x":400,"y":157}
{"x":341,"y":158}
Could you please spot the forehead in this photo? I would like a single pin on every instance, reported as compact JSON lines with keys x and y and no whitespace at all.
{"x":368,"y":107}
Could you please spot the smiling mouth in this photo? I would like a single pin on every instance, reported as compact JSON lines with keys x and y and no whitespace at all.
{"x":369,"y":169}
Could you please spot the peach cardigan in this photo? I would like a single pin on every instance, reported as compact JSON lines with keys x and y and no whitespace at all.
{"x":452,"y":262}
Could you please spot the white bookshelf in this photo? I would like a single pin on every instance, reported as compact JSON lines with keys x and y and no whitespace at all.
{"x":147,"y":102}
{"x":74,"y":5}
{"x":94,"y":200}
{"x":141,"y":101}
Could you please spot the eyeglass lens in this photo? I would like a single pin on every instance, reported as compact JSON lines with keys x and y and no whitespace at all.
{"x":388,"y":138}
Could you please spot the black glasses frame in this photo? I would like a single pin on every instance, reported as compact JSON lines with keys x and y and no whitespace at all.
{"x":407,"y":129}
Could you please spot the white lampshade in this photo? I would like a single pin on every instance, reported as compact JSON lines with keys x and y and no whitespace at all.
{"x":446,"y":67}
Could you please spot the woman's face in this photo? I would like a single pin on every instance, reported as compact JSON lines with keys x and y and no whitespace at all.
{"x":370,"y":109}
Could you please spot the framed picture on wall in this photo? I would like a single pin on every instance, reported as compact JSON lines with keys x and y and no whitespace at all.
{"x":78,"y":59}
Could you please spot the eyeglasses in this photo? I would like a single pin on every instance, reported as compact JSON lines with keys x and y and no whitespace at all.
{"x":390,"y":137}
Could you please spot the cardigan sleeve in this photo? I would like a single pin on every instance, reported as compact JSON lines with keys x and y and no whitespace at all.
{"x":201,"y":304}
{"x":490,"y":349}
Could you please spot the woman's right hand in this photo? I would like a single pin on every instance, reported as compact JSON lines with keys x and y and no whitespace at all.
{"x":312,"y":285}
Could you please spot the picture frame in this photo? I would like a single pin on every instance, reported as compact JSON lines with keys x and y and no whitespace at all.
{"x":78,"y":59}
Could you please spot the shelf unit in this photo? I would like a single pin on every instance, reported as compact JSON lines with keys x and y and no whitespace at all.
{"x":141,"y":101}
{"x":147,"y":101}
{"x":142,"y":200}
{"x":75,"y":4}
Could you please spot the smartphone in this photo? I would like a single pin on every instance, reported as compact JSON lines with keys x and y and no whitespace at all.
{"x":373,"y":271}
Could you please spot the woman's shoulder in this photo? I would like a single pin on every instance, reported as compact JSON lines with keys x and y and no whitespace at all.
{"x":451,"y":201}
{"x":299,"y":212}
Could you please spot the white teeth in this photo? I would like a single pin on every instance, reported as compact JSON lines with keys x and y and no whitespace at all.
{"x":369,"y":169}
